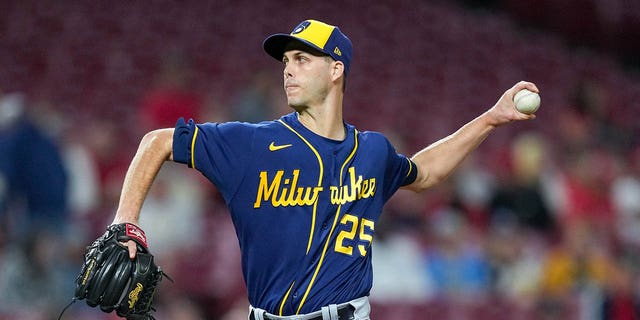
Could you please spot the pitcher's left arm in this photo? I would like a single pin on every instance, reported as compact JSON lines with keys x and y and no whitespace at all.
{"x":437,"y":161}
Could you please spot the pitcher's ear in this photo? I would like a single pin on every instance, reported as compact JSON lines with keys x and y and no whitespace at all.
{"x":337,"y":69}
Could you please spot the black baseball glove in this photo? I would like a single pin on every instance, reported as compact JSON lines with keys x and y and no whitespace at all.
{"x":113,"y":281}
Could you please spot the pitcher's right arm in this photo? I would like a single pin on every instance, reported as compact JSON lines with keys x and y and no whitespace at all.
{"x":155,"y":148}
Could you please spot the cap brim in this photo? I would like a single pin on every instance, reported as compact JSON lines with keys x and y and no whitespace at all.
{"x":275,"y":44}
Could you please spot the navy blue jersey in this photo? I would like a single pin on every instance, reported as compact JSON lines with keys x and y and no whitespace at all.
{"x":304,"y":207}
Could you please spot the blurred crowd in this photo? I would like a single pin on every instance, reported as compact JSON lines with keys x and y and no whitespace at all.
{"x":543,"y":222}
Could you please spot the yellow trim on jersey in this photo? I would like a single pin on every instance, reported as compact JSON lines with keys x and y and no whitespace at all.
{"x":410,"y":167}
{"x":315,"y":204}
{"x":335,"y":221}
{"x":193,"y":143}
{"x":317,"y":33}
{"x":286,"y":296}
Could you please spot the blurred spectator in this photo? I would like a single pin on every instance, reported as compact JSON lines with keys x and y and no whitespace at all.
{"x":33,"y":191}
{"x":578,"y":266}
{"x":515,"y":255}
{"x":625,"y":198}
{"x":84,"y":184}
{"x":398,"y":262}
{"x":103,"y":154}
{"x":522,"y":194}
{"x":85,"y":189}
{"x":622,"y":297}
{"x":621,"y":300}
{"x":173,"y":212}
{"x":33,"y":212}
{"x":30,"y":272}
{"x":586,"y":187}
{"x":456,"y":260}
{"x":474,"y":187}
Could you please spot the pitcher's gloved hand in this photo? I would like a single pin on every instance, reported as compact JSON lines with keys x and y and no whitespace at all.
{"x":112,"y":280}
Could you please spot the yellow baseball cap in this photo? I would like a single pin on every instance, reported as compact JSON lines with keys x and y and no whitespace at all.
{"x":318,"y":35}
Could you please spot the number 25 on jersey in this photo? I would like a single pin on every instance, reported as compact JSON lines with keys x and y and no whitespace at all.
{"x":364,"y":234}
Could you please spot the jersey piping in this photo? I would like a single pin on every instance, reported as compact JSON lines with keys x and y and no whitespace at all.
{"x":193,"y":150}
{"x":410,"y":167}
{"x":286,"y":296}
{"x":335,"y":221}
{"x":315,"y":204}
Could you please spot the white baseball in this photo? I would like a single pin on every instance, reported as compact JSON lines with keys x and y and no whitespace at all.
{"x":527,"y":101}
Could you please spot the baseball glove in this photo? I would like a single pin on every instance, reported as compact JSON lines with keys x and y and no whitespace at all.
{"x":113,"y":281}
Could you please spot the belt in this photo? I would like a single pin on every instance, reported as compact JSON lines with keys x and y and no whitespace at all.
{"x":344,"y":313}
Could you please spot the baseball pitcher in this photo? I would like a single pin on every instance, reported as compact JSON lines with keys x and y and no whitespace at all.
{"x":305,"y":191}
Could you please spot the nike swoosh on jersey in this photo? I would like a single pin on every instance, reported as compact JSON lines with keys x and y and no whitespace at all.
{"x":273,"y":147}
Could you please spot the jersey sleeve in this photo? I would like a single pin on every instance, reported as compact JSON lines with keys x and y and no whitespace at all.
{"x":218,"y":150}
{"x":400,"y":171}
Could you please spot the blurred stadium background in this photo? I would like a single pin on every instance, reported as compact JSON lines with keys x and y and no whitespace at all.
{"x":543,"y":222}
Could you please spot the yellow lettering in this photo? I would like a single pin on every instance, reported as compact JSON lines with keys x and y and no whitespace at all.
{"x":282,"y":201}
{"x":358,"y":188}
{"x":344,"y":195}
{"x":335,"y":195}
{"x":284,"y":194}
{"x":365,"y":235}
{"x":284,"y":191}
{"x":294,"y":184}
{"x":364,"y":188}
{"x":88,"y":271}
{"x":266,"y":190}
{"x":355,"y":184}
{"x":133,"y":295}
{"x":307,"y":201}
{"x":372,"y":188}
{"x":348,"y":234}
